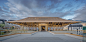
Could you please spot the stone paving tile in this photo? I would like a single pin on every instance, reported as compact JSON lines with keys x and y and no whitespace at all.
{"x":40,"y":37}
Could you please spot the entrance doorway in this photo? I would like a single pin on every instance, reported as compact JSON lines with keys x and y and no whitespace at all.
{"x":42,"y":28}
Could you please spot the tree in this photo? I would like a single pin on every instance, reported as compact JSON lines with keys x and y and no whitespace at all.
{"x":2,"y":25}
{"x":12,"y":27}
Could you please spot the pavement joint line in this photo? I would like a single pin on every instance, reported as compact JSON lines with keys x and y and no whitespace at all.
{"x":9,"y":38}
{"x":16,"y":33}
{"x":51,"y":33}
{"x":34,"y":33}
{"x":67,"y":34}
{"x":74,"y":36}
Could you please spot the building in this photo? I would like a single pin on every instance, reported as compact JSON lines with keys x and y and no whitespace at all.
{"x":75,"y":27}
{"x":3,"y":21}
{"x":0,"y":22}
{"x":43,"y":23}
{"x":65,"y":27}
{"x":9,"y":25}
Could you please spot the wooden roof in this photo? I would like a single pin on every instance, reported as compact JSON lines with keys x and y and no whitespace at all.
{"x":43,"y":19}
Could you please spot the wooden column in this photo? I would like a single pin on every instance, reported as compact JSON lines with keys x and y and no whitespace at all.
{"x":71,"y":28}
{"x":30,"y":28}
{"x":58,"y":27}
{"x":54,"y":28}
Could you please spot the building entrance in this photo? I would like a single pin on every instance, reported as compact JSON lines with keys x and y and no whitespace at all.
{"x":42,"y":28}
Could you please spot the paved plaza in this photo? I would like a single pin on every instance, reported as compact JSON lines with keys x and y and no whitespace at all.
{"x":40,"y":37}
{"x":73,"y":32}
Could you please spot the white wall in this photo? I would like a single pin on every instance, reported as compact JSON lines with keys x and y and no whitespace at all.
{"x":75,"y":28}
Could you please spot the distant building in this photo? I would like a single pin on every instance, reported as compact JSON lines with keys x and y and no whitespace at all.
{"x":75,"y":27}
{"x":3,"y":21}
{"x":9,"y":25}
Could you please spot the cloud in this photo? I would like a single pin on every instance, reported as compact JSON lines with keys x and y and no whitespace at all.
{"x":5,"y":8}
{"x":81,"y":14}
{"x":19,"y":9}
{"x":1,"y":10}
{"x":33,"y":8}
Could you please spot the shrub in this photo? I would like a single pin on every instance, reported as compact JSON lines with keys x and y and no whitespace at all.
{"x":1,"y":33}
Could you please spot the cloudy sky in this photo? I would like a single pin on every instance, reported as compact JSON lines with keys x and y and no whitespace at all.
{"x":66,"y":9}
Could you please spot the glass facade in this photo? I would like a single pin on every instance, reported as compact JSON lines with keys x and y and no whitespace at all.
{"x":84,"y":34}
